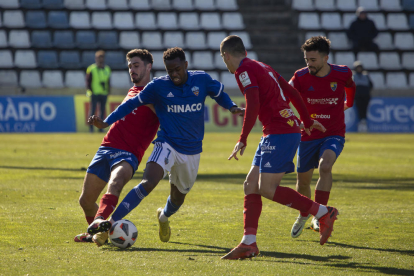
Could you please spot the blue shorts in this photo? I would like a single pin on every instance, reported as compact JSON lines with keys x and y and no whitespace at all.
{"x":106,"y":157}
{"x":275,"y":153}
{"x":310,"y":152}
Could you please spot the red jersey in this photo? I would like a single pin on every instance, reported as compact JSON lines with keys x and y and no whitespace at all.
{"x":135,"y":131}
{"x":324,"y":98}
{"x":273,"y":98}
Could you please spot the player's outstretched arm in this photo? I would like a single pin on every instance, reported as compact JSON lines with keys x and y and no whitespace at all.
{"x":97,"y":122}
{"x":238,"y":110}
{"x":124,"y":109}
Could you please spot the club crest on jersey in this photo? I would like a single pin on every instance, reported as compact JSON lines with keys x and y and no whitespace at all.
{"x":244,"y":79}
{"x":195,"y":90}
{"x":286,"y":113}
{"x":334,"y":85}
{"x":290,"y":122}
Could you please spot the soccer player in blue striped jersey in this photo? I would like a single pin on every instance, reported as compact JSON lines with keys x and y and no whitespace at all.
{"x":178,"y":99}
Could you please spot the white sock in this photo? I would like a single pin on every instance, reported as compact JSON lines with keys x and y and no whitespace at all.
{"x":321,"y":211}
{"x":248,"y":239}
{"x":112,"y":221}
{"x":162,"y":217}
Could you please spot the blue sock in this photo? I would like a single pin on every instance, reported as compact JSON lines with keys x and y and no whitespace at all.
{"x":132,"y":199}
{"x":170,"y":208}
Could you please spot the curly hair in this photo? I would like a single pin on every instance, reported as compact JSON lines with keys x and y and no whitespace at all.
{"x":317,"y":43}
{"x":143,"y":54}
{"x":173,"y":53}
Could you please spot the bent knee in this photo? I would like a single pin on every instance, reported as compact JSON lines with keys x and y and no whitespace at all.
{"x":325,"y":168}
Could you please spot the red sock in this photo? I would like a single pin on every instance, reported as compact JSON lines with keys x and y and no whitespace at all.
{"x":322,"y":197}
{"x":107,"y":205}
{"x":304,"y":214}
{"x":251,"y":213}
{"x":293,"y":199}
{"x":89,"y":219}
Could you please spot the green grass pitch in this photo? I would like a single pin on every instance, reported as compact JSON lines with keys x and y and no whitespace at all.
{"x":41,"y":176}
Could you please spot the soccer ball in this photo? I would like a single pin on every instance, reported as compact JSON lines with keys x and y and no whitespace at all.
{"x":123,"y":233}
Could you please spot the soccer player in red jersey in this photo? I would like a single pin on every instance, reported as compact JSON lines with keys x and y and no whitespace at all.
{"x":267,"y":95}
{"x":323,"y":87}
{"x":120,"y":152}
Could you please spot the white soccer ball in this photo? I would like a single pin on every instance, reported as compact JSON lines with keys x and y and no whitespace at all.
{"x":123,"y":233}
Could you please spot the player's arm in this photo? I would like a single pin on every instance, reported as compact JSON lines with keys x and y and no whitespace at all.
{"x":215,"y":90}
{"x":350,"y":89}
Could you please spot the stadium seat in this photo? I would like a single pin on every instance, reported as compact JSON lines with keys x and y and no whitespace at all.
{"x":368,"y":59}
{"x":203,"y":60}
{"x":204,"y":5}
{"x":346,"y":6}
{"x":159,"y":74}
{"x":331,"y":21}
{"x":188,"y":21}
{"x":408,"y":60}
{"x":75,"y":79}
{"x":52,"y":79}
{"x":228,"y":80}
{"x":8,"y":78}
{"x":108,"y":40}
{"x":53,"y":4}
{"x":64,"y":40}
{"x":74,"y":4}
{"x":145,"y":20}
{"x":210,"y":21}
{"x":390,"y":5}
{"x":377,"y":79}
{"x":3,"y":39}
{"x":325,"y":5}
{"x":214,"y":75}
{"x":389,"y":61}
{"x":13,"y":19}
{"x":347,"y":19}
{"x":214,"y":39}
{"x":396,"y":80}
{"x":331,"y":58}
{"x":41,"y":39}
{"x":245,"y":37}
{"x":303,"y":5}
{"x":397,"y":21}
{"x":384,"y":41}
{"x":79,"y":20}
{"x":86,"y":39}
{"x":123,"y":20}
{"x":195,"y":40}
{"x":19,"y":39}
{"x":230,"y":5}
{"x":129,"y":40}
{"x":345,"y":58}
{"x":118,"y":4}
{"x":36,"y":19}
{"x":69,"y":60}
{"x":408,"y":5}
{"x":158,"y":60}
{"x":25,"y":59}
{"x":31,"y":4}
{"x":232,"y":21}
{"x":58,"y":20}
{"x":411,"y":80}
{"x":101,"y":20}
{"x":30,"y":78}
{"x":218,"y":61}
{"x":161,"y":4}
{"x":120,"y":79}
{"x":189,"y":60}
{"x":88,"y":58}
{"x":404,"y":41}
{"x":47,"y":59}
{"x":369,"y":5}
{"x":379,"y":20}
{"x":411,"y":21}
{"x":183,"y":5}
{"x":139,"y":5}
{"x":308,"y":21}
{"x":173,"y":39}
{"x":151,"y":40}
{"x":9,"y":4}
{"x":96,"y":4}
{"x":167,"y":20}
{"x":312,"y":34}
{"x":6,"y":59}
{"x":339,"y":41}
{"x":116,"y":60}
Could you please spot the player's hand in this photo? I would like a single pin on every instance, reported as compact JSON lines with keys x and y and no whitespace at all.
{"x":345,"y":106}
{"x":238,"y":110}
{"x":238,"y":147}
{"x":315,"y":125}
{"x":96,"y":121}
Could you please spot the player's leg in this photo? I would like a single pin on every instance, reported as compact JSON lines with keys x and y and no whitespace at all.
{"x":92,"y":108}
{"x":102,"y":107}
{"x":304,"y":180}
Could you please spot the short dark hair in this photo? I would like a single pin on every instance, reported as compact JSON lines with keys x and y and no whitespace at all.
{"x":143,"y":54}
{"x":233,"y":44}
{"x":173,"y":53}
{"x":317,"y":43}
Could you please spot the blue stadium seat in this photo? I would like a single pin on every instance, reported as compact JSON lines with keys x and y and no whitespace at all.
{"x":411,"y":21}
{"x":115,"y":60}
{"x":36,"y":19}
{"x":408,"y":5}
{"x":58,"y":19}
{"x":108,"y":39}
{"x":88,"y":58}
{"x":31,"y":4}
{"x":86,"y":40}
{"x":41,"y":39}
{"x":64,"y":39}
{"x":47,"y":59}
{"x":53,"y":4}
{"x":69,"y":59}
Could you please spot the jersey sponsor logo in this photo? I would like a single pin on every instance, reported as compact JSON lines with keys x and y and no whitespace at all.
{"x":320,"y":116}
{"x":176,"y":108}
{"x":323,"y":101}
{"x":244,"y":79}
{"x":311,"y":88}
{"x":334,"y":85}
{"x":286,"y":113}
{"x":267,"y":165}
{"x":170,"y":95}
{"x":195,"y":90}
{"x":290,"y":122}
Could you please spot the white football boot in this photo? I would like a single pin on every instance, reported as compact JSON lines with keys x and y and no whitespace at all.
{"x":298,"y":226}
{"x":315,"y":224}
